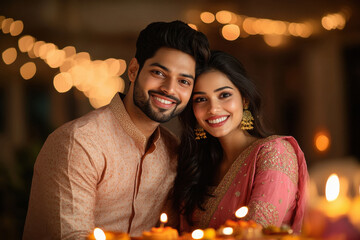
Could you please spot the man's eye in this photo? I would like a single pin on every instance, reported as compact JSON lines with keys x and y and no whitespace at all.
{"x":185,"y":82}
{"x":156,"y":72}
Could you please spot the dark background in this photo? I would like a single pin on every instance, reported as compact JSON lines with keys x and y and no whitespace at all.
{"x":308,"y":84}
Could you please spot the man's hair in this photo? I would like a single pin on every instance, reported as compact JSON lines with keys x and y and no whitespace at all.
{"x":177,"y":35}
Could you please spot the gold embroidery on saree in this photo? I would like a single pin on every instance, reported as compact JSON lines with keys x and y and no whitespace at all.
{"x":271,"y":159}
{"x":263,"y":213}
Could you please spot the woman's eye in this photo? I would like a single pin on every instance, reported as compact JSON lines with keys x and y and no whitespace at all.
{"x":225,"y":95}
{"x":199,"y":99}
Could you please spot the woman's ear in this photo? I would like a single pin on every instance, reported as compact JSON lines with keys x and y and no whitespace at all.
{"x":245,"y":103}
{"x":133,"y":69}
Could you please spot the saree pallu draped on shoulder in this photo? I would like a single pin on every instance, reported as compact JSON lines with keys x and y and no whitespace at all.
{"x":269,"y":177}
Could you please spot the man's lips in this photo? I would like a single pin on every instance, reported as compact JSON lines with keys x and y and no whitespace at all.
{"x":162,"y":101}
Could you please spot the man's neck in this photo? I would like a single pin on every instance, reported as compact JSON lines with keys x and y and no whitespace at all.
{"x":141,"y":121}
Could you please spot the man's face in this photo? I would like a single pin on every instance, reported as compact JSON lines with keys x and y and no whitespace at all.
{"x":164,"y":85}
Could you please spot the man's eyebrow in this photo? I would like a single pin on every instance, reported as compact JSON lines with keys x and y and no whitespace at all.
{"x":188,"y":76}
{"x":166,"y":69}
{"x":160,"y":66}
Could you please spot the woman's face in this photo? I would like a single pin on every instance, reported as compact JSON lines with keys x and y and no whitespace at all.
{"x":217,"y":104}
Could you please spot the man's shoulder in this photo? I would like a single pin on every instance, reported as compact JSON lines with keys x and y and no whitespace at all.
{"x":89,"y":122}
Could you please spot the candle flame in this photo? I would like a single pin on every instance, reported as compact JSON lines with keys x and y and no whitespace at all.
{"x":163,"y":218}
{"x":99,"y":234}
{"x":197,"y":234}
{"x":332,"y":188}
{"x":241,"y":212}
{"x":228,"y":230}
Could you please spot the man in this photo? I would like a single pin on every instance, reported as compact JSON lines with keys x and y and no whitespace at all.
{"x":113,"y":168}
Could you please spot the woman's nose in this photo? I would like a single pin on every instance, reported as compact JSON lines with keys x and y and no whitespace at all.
{"x":214,"y":107}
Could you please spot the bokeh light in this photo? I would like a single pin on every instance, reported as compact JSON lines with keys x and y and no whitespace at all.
{"x":207,"y":17}
{"x":223,"y":16}
{"x":28,"y":70}
{"x":322,"y":140}
{"x":5,"y":25}
{"x":63,"y":82}
{"x":230,"y":32}
{"x":9,"y":55}
{"x":273,"y":40}
{"x":16,"y":28}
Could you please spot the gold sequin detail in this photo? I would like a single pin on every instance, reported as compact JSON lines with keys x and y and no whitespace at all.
{"x":263,"y":213}
{"x":279,"y":156}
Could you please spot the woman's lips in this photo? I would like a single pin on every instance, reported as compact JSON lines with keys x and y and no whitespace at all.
{"x":217,"y":121}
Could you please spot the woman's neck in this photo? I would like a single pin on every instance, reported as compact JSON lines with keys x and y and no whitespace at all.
{"x":234,"y":144}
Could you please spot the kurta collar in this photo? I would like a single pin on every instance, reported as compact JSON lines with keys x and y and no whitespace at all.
{"x":117,"y":107}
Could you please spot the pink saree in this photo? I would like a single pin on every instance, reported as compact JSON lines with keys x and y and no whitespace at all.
{"x":269,"y":177}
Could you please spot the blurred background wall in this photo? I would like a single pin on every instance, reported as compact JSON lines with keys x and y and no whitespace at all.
{"x":303,"y":56}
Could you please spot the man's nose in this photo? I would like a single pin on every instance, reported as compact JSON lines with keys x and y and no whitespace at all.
{"x":168,"y":86}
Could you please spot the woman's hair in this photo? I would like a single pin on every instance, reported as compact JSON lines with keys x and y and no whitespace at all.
{"x":199,"y":159}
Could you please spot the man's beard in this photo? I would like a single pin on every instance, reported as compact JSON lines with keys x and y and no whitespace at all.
{"x":144,"y":105}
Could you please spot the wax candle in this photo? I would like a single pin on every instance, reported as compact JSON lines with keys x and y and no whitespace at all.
{"x":197,"y":234}
{"x":241,"y":212}
{"x":329,"y":219}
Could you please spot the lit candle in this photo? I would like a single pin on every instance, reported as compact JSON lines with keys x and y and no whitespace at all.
{"x":336,"y":204}
{"x":197,"y":234}
{"x":330,"y":218}
{"x":99,"y":234}
{"x":227,"y":231}
{"x":163,"y":220}
{"x":241,"y":212}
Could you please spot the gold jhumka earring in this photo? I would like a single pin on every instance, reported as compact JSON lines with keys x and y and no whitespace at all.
{"x":199,"y":133}
{"x":247,"y":120}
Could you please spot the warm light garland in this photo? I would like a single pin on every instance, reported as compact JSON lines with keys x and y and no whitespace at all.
{"x":98,"y":80}
{"x":273,"y":31}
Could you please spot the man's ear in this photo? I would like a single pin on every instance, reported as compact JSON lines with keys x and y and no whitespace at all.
{"x":133,"y":69}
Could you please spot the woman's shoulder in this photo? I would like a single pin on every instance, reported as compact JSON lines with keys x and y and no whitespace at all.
{"x":275,"y":142}
{"x":278,"y":153}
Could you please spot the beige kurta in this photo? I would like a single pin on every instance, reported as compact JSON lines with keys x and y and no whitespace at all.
{"x":94,"y":172}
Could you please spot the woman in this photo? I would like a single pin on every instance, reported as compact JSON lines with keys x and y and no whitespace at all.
{"x":234,"y":163}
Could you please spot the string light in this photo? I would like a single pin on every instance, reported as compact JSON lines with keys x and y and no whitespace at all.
{"x":28,"y":70}
{"x":230,"y":32}
{"x":223,"y":17}
{"x":207,"y":17}
{"x":5,"y":25}
{"x":9,"y":56}
{"x":26,"y":43}
{"x":93,"y":78}
{"x":334,"y":21}
{"x":98,"y":80}
{"x":273,"y":31}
